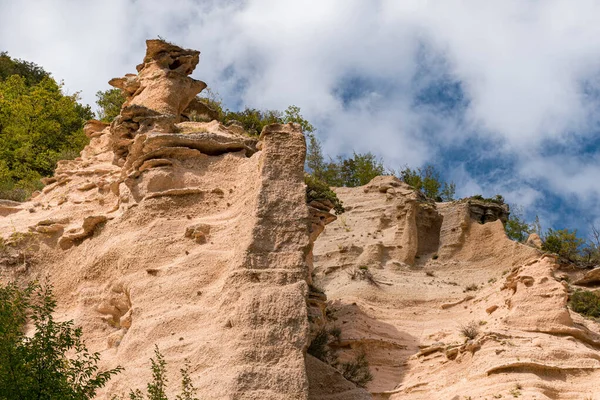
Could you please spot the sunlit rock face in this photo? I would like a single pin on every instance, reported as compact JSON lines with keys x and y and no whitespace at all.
{"x":196,"y":237}
{"x":178,"y":234}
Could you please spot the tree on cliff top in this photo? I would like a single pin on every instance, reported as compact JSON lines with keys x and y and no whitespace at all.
{"x":39,"y":125}
{"x":32,"y":73}
{"x":428,"y":181}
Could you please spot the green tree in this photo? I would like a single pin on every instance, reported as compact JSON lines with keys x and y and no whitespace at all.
{"x":357,"y":170}
{"x":32,"y":73}
{"x":516,"y":227}
{"x":109,"y":104}
{"x":360,"y":169}
{"x":36,"y":366}
{"x":157,"y":388}
{"x":254,"y":120}
{"x":563,"y":242}
{"x":448,"y":191}
{"x":592,"y":247}
{"x":39,"y":125}
{"x":315,"y":163}
{"x":292,"y":114}
{"x":428,"y":181}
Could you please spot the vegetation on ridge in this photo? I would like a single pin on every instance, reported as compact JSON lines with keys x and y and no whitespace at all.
{"x":428,"y":181}
{"x":585,"y":302}
{"x":319,"y":191}
{"x":39,"y":125}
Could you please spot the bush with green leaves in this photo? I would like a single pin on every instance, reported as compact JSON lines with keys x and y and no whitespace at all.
{"x":39,"y":125}
{"x":319,"y":191}
{"x":254,"y":120}
{"x":563,"y":242}
{"x":516,"y":228}
{"x":428,"y":181}
{"x":157,"y":388}
{"x":586,"y":303}
{"x":497,"y":199}
{"x":50,"y":363}
{"x":109,"y":104}
{"x":357,"y":370}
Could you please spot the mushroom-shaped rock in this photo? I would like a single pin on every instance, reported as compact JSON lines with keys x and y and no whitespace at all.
{"x":156,"y":96}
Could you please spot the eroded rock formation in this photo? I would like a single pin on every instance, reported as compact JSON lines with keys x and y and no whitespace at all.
{"x":196,"y":237}
{"x":177,"y":233}
{"x":408,"y":317}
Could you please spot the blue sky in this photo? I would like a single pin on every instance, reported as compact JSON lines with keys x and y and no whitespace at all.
{"x":503,"y":96}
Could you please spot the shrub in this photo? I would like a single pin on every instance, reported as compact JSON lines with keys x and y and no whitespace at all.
{"x":37,"y":366}
{"x":563,"y":242}
{"x":586,"y":303}
{"x":214,"y":101}
{"x":319,"y":190}
{"x":254,"y":120}
{"x":428,"y":181}
{"x":156,"y":390}
{"x":357,"y":371}
{"x":336,"y":333}
{"x":319,"y":347}
{"x":516,"y":228}
{"x":362,"y":273}
{"x":471,"y":288}
{"x":470,"y":331}
{"x":109,"y":104}
{"x":498,"y":199}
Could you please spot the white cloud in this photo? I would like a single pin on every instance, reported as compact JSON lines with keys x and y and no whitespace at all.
{"x":521,"y":64}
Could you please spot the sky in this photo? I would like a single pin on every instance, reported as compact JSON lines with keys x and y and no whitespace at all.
{"x":502,"y":96}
